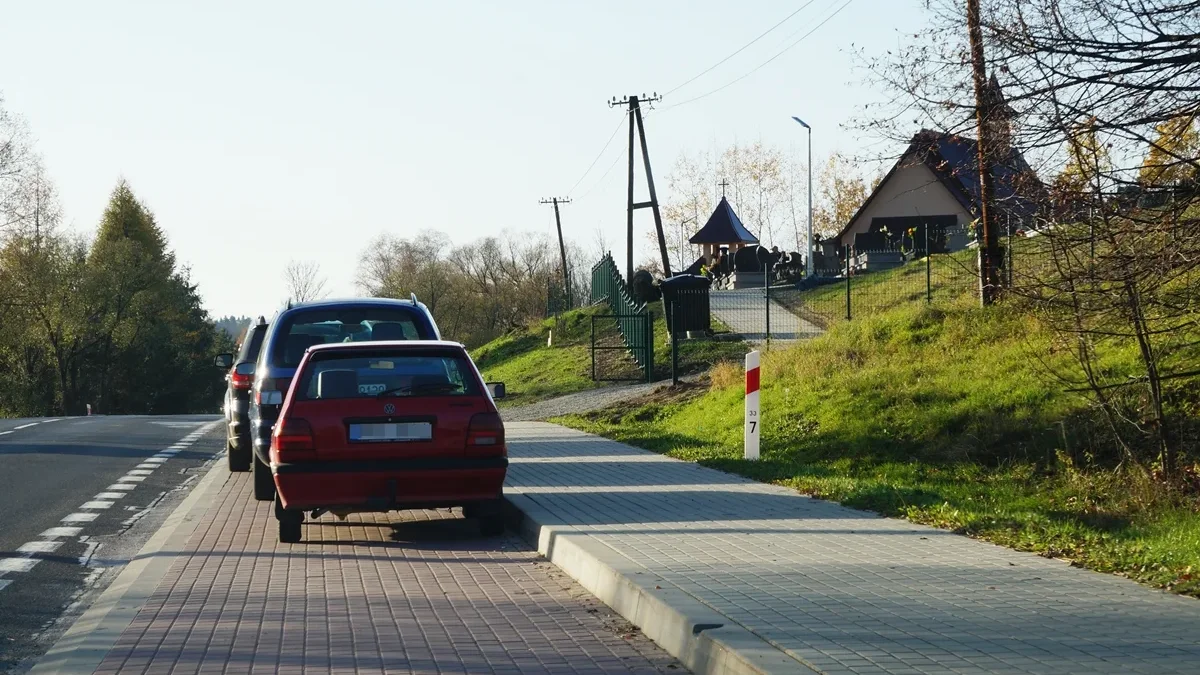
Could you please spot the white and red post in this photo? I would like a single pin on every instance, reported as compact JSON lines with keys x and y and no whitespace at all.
{"x":753,"y":422}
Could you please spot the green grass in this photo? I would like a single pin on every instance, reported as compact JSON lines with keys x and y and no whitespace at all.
{"x":533,"y":371}
{"x":941,"y":415}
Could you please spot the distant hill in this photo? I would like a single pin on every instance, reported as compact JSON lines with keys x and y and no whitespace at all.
{"x":232,"y":325}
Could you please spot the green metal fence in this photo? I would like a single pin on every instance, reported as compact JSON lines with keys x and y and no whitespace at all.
{"x":632,"y":317}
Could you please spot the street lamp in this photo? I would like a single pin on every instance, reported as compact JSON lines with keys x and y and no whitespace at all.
{"x":808,"y":241}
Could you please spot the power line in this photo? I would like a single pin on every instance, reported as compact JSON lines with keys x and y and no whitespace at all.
{"x":764,"y":63}
{"x":607,"y":171}
{"x":599,"y":154}
{"x":742,"y":49}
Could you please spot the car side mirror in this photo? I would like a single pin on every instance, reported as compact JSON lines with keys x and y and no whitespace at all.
{"x":496,"y":389}
{"x":224,"y":360}
{"x":245,"y":368}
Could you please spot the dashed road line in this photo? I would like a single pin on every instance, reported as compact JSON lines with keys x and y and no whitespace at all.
{"x":46,"y":546}
{"x":80,"y":517}
{"x":49,"y":539}
{"x":22,"y":564}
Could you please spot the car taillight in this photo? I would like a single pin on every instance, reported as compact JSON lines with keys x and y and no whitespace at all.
{"x":270,"y":392}
{"x":293,"y":440}
{"x":239,"y":381}
{"x":485,"y":436}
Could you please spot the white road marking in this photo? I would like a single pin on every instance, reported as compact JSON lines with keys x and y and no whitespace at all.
{"x":5,"y":433}
{"x":139,"y":472}
{"x":54,"y":419}
{"x":40,"y":547}
{"x":155,"y":460}
{"x":80,"y":517}
{"x":145,"y":466}
{"x":26,"y":426}
{"x":96,"y":504}
{"x":4,"y":583}
{"x":109,"y":495}
{"x":132,"y":479}
{"x":17,"y":564}
{"x":121,"y":486}
{"x":61,"y":532}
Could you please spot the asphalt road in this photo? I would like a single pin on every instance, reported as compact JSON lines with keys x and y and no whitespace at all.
{"x":78,"y":497}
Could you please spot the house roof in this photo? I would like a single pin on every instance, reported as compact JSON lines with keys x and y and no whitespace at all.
{"x":723,"y":227}
{"x":954,"y":160}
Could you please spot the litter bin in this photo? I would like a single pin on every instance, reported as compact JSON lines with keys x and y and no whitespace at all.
{"x":685,"y":297}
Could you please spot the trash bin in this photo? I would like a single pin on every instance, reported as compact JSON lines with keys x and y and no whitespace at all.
{"x":690,"y":293}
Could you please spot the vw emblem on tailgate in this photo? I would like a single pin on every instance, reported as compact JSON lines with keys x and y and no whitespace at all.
{"x":389,"y":409}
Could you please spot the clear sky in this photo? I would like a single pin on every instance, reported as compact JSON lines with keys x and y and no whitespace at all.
{"x":260,"y":132}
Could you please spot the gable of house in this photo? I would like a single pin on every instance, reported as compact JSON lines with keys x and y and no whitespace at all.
{"x":911,"y":189}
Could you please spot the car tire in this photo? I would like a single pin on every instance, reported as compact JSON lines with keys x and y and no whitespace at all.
{"x":491,"y":525}
{"x":264,"y":482}
{"x":290,"y":523}
{"x":291,"y":527}
{"x":239,"y":461}
{"x":490,"y":515}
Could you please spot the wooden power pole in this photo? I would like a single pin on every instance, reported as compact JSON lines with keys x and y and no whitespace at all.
{"x":562,"y":247}
{"x":989,"y":252}
{"x":635,"y":117}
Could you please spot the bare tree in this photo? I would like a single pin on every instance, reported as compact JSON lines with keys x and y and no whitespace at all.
{"x":304,"y":281}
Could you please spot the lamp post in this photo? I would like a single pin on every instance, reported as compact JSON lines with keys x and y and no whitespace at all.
{"x":808,"y":241}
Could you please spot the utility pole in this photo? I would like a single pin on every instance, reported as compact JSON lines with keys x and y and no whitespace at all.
{"x":635,"y":117}
{"x":562,"y":247}
{"x":989,"y":282}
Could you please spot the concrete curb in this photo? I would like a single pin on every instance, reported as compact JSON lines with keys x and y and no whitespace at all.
{"x":702,"y":639}
{"x":83,"y":647}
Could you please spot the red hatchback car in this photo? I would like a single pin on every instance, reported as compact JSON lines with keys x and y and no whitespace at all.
{"x":384,"y":426}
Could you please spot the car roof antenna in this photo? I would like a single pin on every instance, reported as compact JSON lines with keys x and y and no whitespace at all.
{"x":414,"y":299}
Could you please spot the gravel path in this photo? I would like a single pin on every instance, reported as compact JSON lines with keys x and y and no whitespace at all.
{"x":581,"y":402}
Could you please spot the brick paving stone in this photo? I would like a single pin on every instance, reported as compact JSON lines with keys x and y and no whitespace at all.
{"x":846,"y":589}
{"x":409,"y":592}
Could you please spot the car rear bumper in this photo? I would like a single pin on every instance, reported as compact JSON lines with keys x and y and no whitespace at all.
{"x":387,"y":485}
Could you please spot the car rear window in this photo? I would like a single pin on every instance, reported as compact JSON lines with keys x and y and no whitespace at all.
{"x":358,"y":375}
{"x":305,"y":329}
{"x":252,"y":344}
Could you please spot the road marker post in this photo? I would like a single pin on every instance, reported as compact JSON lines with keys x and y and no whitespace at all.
{"x":89,"y":408}
{"x":753,"y":423}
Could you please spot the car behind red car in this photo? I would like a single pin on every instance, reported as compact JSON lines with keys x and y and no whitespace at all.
{"x":384,"y":426}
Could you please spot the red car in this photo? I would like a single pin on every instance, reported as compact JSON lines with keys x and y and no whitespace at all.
{"x":384,"y":426}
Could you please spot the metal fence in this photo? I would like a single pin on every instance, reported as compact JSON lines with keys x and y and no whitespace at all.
{"x":853,"y":284}
{"x":632,"y":319}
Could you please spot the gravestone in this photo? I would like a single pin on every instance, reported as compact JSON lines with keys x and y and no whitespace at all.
{"x":746,"y":260}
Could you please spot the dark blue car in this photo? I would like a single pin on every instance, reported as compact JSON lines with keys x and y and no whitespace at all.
{"x":294,"y":330}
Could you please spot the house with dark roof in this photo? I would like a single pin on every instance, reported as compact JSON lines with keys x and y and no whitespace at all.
{"x":723,"y":234}
{"x":935,"y":185}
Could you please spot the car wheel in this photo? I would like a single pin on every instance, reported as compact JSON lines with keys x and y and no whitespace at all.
{"x":238,"y":460}
{"x":264,"y":482}
{"x":491,"y":525}
{"x":290,"y":525}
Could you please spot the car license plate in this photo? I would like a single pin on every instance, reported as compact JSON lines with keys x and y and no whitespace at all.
{"x":399,"y":431}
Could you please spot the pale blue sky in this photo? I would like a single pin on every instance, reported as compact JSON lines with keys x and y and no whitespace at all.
{"x":260,"y":132}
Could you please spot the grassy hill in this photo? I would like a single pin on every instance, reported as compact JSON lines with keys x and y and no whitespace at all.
{"x":531,"y":369}
{"x":941,"y":414}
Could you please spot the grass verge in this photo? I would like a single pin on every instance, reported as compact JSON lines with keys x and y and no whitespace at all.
{"x":940,"y":416}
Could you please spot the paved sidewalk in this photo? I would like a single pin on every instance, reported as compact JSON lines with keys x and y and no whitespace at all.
{"x":416,"y":592}
{"x":745,"y":312}
{"x":839,"y":590}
